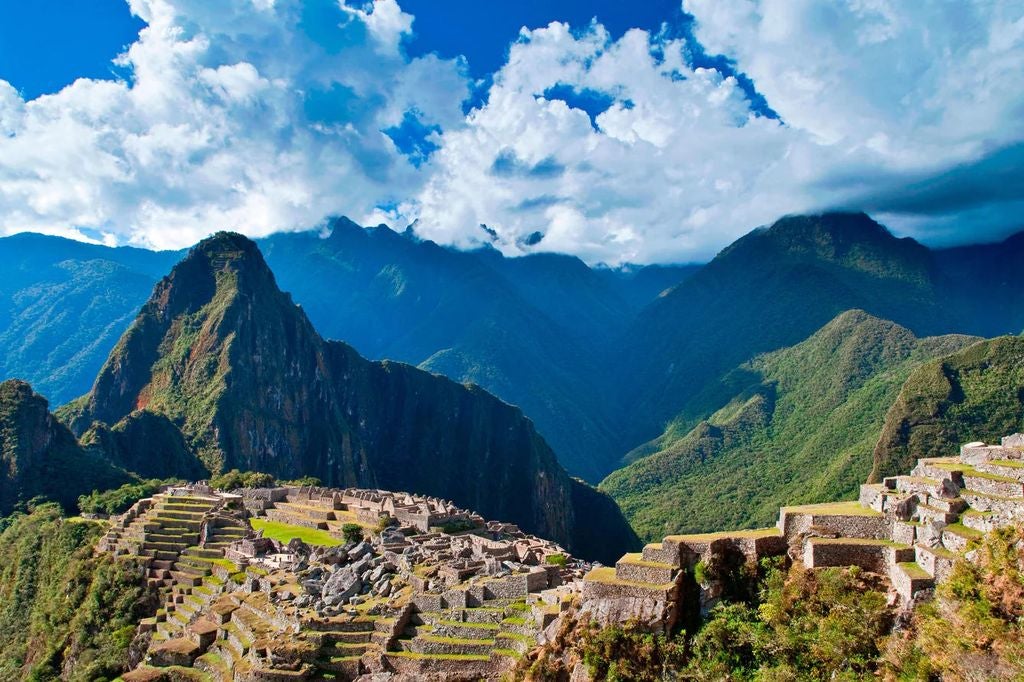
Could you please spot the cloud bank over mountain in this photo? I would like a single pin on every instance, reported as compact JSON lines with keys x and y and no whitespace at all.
{"x":262,"y":116}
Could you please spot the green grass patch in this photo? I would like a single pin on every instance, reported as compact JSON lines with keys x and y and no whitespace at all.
{"x":285,"y":532}
{"x":963,"y":531}
{"x":852,"y":508}
{"x":912,"y":569}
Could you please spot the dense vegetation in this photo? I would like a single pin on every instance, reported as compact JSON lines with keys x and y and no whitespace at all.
{"x":527,"y":329}
{"x":231,"y":480}
{"x":64,"y":303}
{"x":976,"y":394}
{"x":222,"y":356}
{"x":975,"y":628}
{"x":817,"y":625}
{"x":799,"y":426}
{"x":64,"y":613}
{"x":39,"y":456}
{"x":541,"y":331}
{"x":797,"y":625}
{"x":118,"y":500}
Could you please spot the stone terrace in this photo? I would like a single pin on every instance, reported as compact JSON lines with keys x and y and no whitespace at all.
{"x":908,"y":528}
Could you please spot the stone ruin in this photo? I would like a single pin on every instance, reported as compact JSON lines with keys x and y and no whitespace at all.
{"x":437,"y":592}
{"x":908,"y":528}
{"x":432,"y":591}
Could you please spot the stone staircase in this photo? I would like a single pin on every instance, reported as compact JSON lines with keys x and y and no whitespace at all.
{"x":494,"y":635}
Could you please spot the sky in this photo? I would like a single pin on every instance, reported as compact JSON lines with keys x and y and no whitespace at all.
{"x":654,"y":131}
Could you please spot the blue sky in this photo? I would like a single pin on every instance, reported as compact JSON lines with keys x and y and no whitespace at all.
{"x":651,"y":131}
{"x":45,"y":46}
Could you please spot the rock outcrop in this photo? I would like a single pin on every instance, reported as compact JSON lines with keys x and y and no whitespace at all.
{"x":39,"y":456}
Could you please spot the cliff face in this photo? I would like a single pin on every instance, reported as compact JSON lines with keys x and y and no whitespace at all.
{"x":227,"y":357}
{"x":39,"y":456}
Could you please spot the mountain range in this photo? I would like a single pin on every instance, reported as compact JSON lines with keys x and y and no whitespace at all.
{"x":736,"y":385}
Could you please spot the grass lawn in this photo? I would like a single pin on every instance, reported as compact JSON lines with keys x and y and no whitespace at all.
{"x":283,"y":532}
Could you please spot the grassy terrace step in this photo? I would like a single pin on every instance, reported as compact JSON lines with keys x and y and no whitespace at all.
{"x":144,"y":673}
{"x":939,"y":552}
{"x":464,"y":624}
{"x":852,"y":508}
{"x":457,"y":640}
{"x":214,"y":663}
{"x":634,"y":568}
{"x":437,"y":657}
{"x":754,"y":533}
{"x":606,"y":575}
{"x":284,"y":532}
{"x":967,"y":493}
{"x":187,"y":499}
{"x":914,"y":570}
{"x":348,"y":636}
{"x":858,"y":541}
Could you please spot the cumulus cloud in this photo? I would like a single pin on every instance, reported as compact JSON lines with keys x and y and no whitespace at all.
{"x":265,"y":115}
{"x":251,"y":115}
{"x":659,"y":174}
{"x":917,"y":97}
{"x":876,"y":100}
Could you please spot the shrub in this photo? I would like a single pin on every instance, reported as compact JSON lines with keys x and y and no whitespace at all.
{"x":626,"y":653}
{"x":975,"y":627}
{"x":62,"y":604}
{"x":352,"y":532}
{"x":808,"y":625}
{"x":303,"y":482}
{"x":242,"y":479}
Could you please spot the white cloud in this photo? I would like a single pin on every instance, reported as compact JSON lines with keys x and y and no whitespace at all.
{"x":874,"y":97}
{"x":252,"y":116}
{"x":265,"y":115}
{"x":898,"y":90}
{"x":660,"y":178}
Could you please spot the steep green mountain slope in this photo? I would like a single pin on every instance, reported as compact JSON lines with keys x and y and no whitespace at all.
{"x":543,"y":332}
{"x":975,"y":394}
{"x":799,"y":427}
{"x":40,"y":456}
{"x":770,"y":289}
{"x":227,"y":357}
{"x":532,"y":330}
{"x":458,"y":314}
{"x":64,"y":613}
{"x":63,"y":304}
{"x":983,"y":285}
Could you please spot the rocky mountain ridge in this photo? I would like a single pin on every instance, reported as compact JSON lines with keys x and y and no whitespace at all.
{"x":231,"y":361}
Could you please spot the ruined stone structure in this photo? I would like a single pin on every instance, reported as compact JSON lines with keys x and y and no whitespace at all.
{"x":438,"y":593}
{"x":908,"y":528}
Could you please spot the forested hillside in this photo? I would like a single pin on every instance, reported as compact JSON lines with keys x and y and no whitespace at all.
{"x":798,"y":425}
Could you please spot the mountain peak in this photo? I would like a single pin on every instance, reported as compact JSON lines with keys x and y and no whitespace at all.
{"x":828,"y":235}
{"x":227,"y":250}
